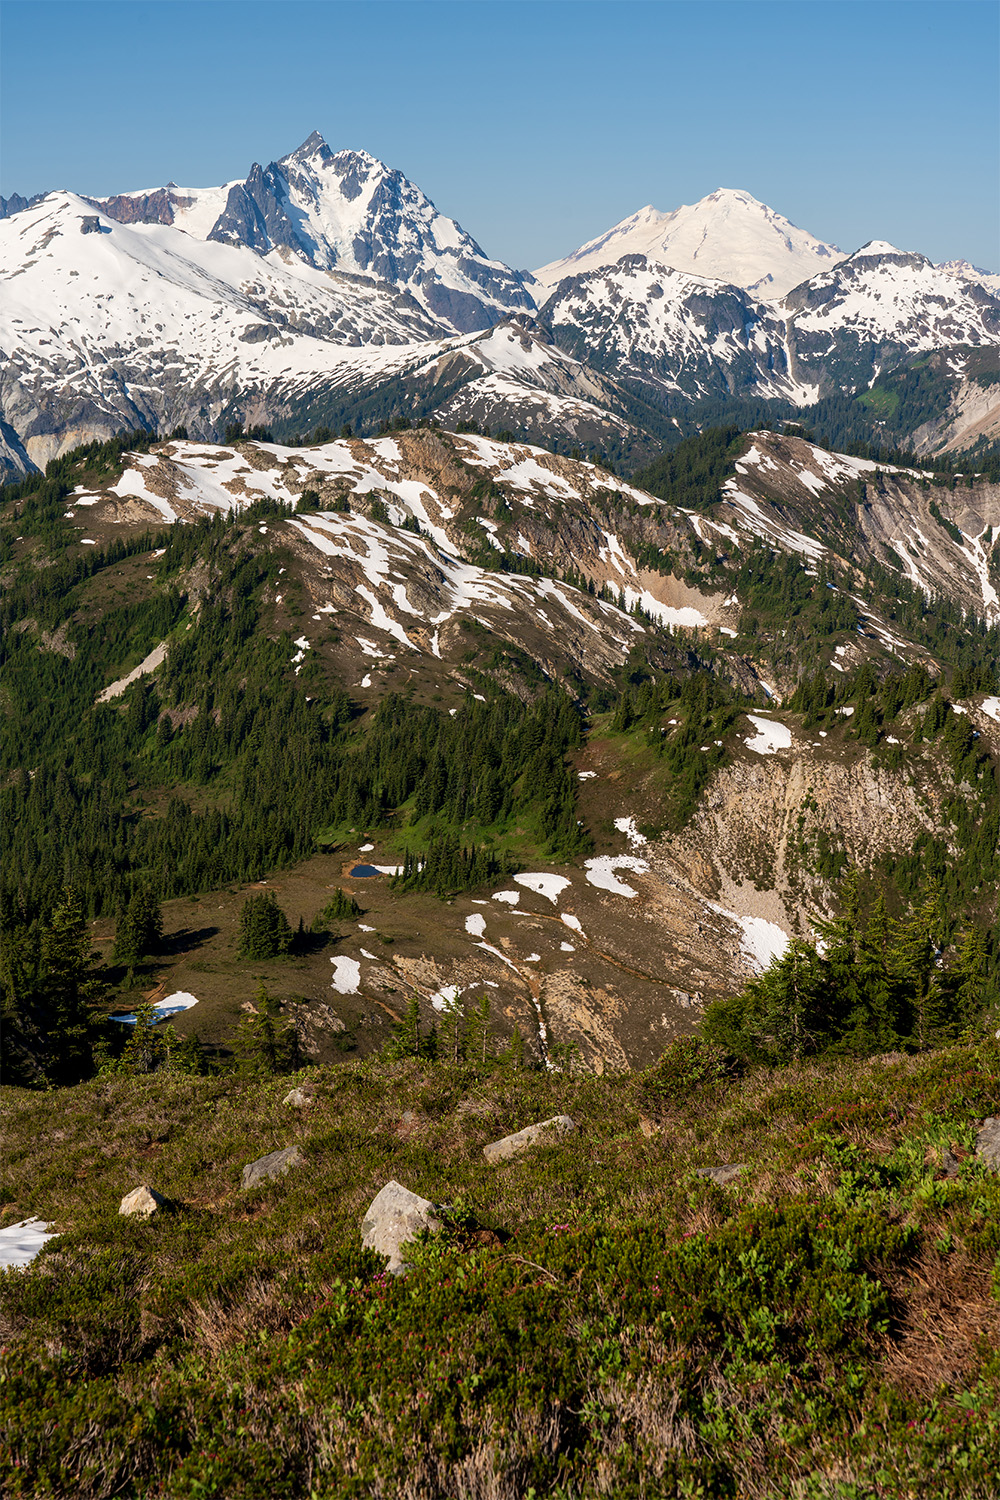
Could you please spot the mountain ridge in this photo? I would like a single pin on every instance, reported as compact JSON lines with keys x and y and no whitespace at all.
{"x":327,"y":289}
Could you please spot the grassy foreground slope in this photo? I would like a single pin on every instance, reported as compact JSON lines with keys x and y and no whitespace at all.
{"x":596,"y":1320}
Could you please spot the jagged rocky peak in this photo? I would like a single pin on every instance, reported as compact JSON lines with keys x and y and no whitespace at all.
{"x":15,"y":204}
{"x":729,"y":235}
{"x":348,"y":211}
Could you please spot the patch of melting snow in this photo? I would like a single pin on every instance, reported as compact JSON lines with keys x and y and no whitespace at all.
{"x":725,"y":630}
{"x":601,"y":872}
{"x":363,"y":928}
{"x":488,"y":948}
{"x":847,"y":712}
{"x":956,"y":708}
{"x":544,"y":885}
{"x":628,"y":828}
{"x":533,"y":958}
{"x":365,"y":848}
{"x":346,"y":975}
{"x":770,"y":736}
{"x":892,"y":740}
{"x":509,"y":898}
{"x":171,"y":1006}
{"x":586,"y":775}
{"x":991,"y":708}
{"x":573,"y":922}
{"x":445,"y":999}
{"x":366,"y":954}
{"x":20,"y":1243}
{"x":566,"y":948}
{"x":475,"y":924}
{"x":762,"y":941}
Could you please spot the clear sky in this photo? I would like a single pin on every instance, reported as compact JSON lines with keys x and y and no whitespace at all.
{"x":538,"y":123}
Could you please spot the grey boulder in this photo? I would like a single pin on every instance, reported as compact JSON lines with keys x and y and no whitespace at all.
{"x":296,"y":1099}
{"x":394,"y":1218}
{"x":275,"y":1164}
{"x":988,"y":1144}
{"x":544,"y":1134}
{"x":141,"y":1203}
{"x":722,"y":1175}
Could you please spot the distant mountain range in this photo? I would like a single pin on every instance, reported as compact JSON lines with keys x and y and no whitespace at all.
{"x":326,"y":288}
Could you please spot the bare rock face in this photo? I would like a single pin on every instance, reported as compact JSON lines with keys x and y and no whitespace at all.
{"x":722,"y":1175}
{"x":394,"y":1218}
{"x":544,"y":1134}
{"x":275,"y":1164}
{"x":988,"y":1144}
{"x":141,"y":1203}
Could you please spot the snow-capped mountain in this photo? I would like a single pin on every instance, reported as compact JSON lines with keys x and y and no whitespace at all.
{"x":108,"y":325}
{"x":638,"y":320}
{"x":345,"y":211}
{"x":727,"y":236}
{"x":966,"y":269}
{"x":676,"y":333}
{"x":877,"y":307}
{"x":326,"y":288}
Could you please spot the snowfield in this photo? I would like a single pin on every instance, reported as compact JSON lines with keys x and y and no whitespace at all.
{"x":548,"y":886}
{"x":601,"y":872}
{"x":770,"y":736}
{"x":20,"y":1243}
{"x":346,"y":975}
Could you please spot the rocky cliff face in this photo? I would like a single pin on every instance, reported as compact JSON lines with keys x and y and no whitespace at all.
{"x":348,"y":211}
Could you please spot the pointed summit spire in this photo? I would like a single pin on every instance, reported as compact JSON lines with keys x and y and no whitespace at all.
{"x":312,"y":145}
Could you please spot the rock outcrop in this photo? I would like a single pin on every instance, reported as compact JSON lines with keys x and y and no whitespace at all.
{"x":394,"y":1219}
{"x":142,"y":1203}
{"x":275,"y":1164}
{"x":546,"y":1133}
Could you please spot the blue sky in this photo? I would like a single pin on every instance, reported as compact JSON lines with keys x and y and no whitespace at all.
{"x":537,"y":125}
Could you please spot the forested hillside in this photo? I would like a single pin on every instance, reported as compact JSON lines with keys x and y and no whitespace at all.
{"x":206,"y":731}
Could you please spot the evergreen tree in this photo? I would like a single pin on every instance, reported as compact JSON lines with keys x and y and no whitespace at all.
{"x":264,"y":929}
{"x":406,"y":1040}
{"x":451,"y":1032}
{"x":140,"y":928}
{"x":67,"y":988}
{"x":146,"y":1048}
{"x":878,"y":1027}
{"x":479,"y":1044}
{"x":23,"y":1047}
{"x":266,"y":1041}
{"x":340,"y":907}
{"x":970,"y":985}
{"x":783,"y":1015}
{"x":913,"y":960}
